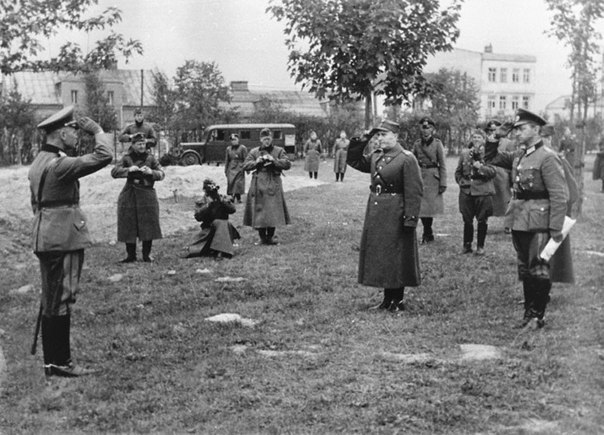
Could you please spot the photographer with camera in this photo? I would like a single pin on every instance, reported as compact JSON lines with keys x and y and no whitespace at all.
{"x":265,"y":206}
{"x":217,"y":233}
{"x":476,"y":190}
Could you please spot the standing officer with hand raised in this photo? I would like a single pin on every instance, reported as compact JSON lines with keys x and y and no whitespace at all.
{"x":60,"y":233}
{"x":389,"y":257}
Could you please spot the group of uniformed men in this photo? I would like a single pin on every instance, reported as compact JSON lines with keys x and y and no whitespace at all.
{"x":406,"y":186}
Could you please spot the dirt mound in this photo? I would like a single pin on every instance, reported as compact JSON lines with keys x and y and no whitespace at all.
{"x":98,"y":196}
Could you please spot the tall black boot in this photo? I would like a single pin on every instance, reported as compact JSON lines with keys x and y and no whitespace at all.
{"x":481,"y":236}
{"x":385,"y":304}
{"x":262,"y":234}
{"x":48,"y":342}
{"x":147,"y":244}
{"x":468,"y":236}
{"x":428,"y":235}
{"x":397,"y":299}
{"x":543,"y":288}
{"x":270,"y":232}
{"x":342,"y":176}
{"x":337,"y":177}
{"x":528,"y":289}
{"x":63,"y":348}
{"x":130,"y":253}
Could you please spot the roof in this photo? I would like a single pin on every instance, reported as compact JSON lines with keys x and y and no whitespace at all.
{"x":251,"y":126}
{"x":41,"y":87}
{"x":509,"y":57}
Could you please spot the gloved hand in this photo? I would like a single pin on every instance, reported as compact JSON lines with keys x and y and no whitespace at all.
{"x":89,"y":126}
{"x":556,"y":235}
{"x":441,"y":189}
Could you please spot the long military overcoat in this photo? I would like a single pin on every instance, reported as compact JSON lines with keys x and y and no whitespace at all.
{"x":431,"y":158}
{"x":339,"y":157}
{"x":388,"y":255}
{"x":137,"y":204}
{"x":217,"y":233}
{"x":598,"y":170}
{"x":501,"y":182}
{"x":313,"y":150}
{"x":233,"y":169}
{"x":265,"y":204}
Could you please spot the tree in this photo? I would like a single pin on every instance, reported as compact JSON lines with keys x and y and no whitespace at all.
{"x":199,"y":88}
{"x":98,"y":106}
{"x":575,"y":23}
{"x":24,"y":24}
{"x":353,"y":49}
{"x":17,"y":128}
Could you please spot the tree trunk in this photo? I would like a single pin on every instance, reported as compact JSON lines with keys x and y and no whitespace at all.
{"x":368,"y":110}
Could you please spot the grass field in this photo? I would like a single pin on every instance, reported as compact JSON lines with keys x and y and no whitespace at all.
{"x":318,"y":361}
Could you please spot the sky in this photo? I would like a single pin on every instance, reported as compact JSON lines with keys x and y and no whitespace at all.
{"x":247,"y":43}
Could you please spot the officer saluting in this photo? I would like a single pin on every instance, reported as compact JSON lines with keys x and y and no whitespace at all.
{"x":536,"y":213}
{"x":60,"y":233}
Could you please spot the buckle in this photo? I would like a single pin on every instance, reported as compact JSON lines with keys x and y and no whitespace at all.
{"x":378,"y":189}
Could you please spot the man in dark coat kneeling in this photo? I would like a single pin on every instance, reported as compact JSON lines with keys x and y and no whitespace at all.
{"x":389,"y":256}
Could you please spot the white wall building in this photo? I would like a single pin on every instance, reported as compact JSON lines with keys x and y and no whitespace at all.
{"x":506,"y":81}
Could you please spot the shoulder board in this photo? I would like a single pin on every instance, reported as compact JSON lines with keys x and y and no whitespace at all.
{"x":407,"y":152}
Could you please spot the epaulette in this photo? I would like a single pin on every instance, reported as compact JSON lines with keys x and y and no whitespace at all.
{"x":407,"y":152}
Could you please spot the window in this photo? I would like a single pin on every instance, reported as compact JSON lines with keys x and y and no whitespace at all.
{"x":503,"y":75}
{"x":245,"y":134}
{"x":525,"y":102}
{"x":74,"y":97}
{"x":515,"y":102}
{"x":516,"y":75}
{"x":110,"y":97}
{"x":491,"y":104}
{"x":218,"y":134}
{"x":502,"y":102}
{"x":526,"y":75}
{"x":492,"y":74}
{"x":277,"y":134}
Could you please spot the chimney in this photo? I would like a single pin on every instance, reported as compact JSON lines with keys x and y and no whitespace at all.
{"x":488,"y":48}
{"x":239,"y":86}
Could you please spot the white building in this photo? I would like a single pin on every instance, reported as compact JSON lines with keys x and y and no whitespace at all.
{"x":506,"y":81}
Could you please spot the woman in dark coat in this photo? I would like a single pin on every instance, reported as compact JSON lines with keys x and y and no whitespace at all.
{"x":233,"y":168}
{"x":312,"y":151}
{"x":388,"y":256}
{"x":217,"y":233}
{"x":340,"y":150}
{"x":137,"y":205}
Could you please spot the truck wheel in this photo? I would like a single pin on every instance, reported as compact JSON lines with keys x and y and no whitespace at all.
{"x":190,"y":159}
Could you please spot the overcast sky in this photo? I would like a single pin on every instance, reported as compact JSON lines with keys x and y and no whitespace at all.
{"x":247,"y":44}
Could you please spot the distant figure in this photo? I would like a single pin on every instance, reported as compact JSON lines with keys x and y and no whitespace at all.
{"x":312,"y":151}
{"x":340,"y":151}
{"x":265,"y":206}
{"x":389,"y":257}
{"x":60,"y":229}
{"x":139,"y":127}
{"x":430,"y":154}
{"x":496,"y":133}
{"x":217,"y":233}
{"x":567,"y":147}
{"x":233,"y":168}
{"x":598,"y":171}
{"x":476,"y":190}
{"x":137,"y":204}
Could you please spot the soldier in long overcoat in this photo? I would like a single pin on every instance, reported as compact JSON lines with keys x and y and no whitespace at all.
{"x":217,"y":233}
{"x":536,"y":213}
{"x":388,"y":255}
{"x":430,"y":155}
{"x":60,"y":231}
{"x":265,"y":206}
{"x":233,"y":168}
{"x":598,"y":169}
{"x":137,"y":128}
{"x":476,"y":190}
{"x":312,"y":150}
{"x":340,"y":151}
{"x":501,"y":182}
{"x":137,"y":204}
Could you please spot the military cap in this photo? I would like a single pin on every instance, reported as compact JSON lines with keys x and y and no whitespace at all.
{"x":138,"y":111}
{"x":209,"y":184}
{"x":547,"y":130}
{"x":525,"y":117}
{"x":138,"y":137}
{"x":492,"y":125}
{"x":234,"y":136}
{"x":63,"y":118}
{"x":386,"y":125}
{"x":266,"y":132}
{"x":425,"y":122}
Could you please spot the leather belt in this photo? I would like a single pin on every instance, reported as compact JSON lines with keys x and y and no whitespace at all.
{"x":531,"y":195}
{"x":380,"y":190}
{"x":57,"y":203}
{"x":429,"y":166}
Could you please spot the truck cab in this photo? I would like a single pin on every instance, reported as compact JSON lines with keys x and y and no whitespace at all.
{"x":217,"y":138}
